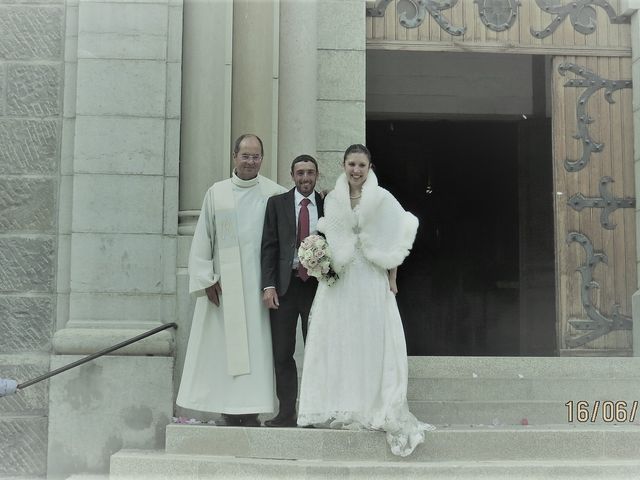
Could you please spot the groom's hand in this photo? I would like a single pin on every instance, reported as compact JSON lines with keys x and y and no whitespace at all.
{"x":270,"y":298}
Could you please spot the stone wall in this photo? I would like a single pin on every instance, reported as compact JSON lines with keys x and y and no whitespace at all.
{"x":117,"y":230}
{"x":31,"y":81}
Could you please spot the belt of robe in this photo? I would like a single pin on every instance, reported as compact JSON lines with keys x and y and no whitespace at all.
{"x":232,"y":298}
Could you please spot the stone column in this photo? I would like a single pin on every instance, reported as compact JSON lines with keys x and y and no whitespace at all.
{"x":631,"y":7}
{"x":206,"y":136}
{"x":298,"y":87}
{"x":341,"y":116}
{"x":297,"y":96}
{"x":230,"y":65}
{"x":206,"y":101}
{"x":254,"y":101}
{"x":224,"y":69}
{"x":119,"y":203}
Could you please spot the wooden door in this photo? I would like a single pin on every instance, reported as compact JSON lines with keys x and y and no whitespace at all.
{"x":594,"y":204}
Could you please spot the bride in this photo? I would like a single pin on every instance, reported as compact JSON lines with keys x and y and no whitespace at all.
{"x":355,"y":363}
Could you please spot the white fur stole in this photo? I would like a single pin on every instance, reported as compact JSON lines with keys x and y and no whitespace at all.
{"x":385,"y":230}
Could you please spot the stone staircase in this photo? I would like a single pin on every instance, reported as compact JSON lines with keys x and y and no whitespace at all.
{"x":496,"y":417}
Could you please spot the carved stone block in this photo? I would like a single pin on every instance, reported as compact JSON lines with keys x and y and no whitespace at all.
{"x":23,"y":443}
{"x":27,"y":204}
{"x":28,"y":146}
{"x":26,"y":325}
{"x":20,"y":2}
{"x":33,"y":90}
{"x":30,"y":401}
{"x":27,"y":264}
{"x":31,"y":33}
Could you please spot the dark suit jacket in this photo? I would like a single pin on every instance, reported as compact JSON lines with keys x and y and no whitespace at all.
{"x":279,"y":240}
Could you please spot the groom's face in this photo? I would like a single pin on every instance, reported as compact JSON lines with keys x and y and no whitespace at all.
{"x":304,"y":175}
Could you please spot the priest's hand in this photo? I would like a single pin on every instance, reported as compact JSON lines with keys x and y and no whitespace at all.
{"x":270,"y":298}
{"x":213,"y":293}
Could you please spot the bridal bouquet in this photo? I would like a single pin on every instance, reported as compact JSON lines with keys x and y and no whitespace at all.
{"x":314,"y":256}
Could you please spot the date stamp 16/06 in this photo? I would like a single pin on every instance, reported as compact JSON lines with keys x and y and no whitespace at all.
{"x":608,"y":411}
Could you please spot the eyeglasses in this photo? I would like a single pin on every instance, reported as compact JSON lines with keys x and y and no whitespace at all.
{"x":246,"y":157}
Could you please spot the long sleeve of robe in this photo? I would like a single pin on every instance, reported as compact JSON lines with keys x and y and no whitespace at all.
{"x":205,"y":384}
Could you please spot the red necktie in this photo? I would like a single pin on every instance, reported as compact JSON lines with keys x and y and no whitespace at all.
{"x":303,"y":232}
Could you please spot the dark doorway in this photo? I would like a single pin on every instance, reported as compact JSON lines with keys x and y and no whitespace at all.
{"x":471,"y":184}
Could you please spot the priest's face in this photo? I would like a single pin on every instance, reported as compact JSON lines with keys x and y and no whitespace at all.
{"x":304,"y":175}
{"x":248,"y":159}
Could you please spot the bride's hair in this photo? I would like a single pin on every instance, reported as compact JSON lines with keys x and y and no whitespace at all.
{"x":356,"y":148}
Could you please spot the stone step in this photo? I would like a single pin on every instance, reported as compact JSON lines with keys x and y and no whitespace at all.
{"x":531,"y":389}
{"x":153,"y":465}
{"x":491,"y":412}
{"x":454,"y":443}
{"x":523,"y":379}
{"x":88,"y":476}
{"x":513,"y":380}
{"x":586,"y":368}
{"x":509,"y":390}
{"x":460,"y":412}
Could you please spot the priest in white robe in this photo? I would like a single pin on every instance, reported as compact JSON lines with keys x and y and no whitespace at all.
{"x":229,"y":364}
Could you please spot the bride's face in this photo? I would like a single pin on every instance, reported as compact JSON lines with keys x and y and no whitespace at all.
{"x":356,"y":167}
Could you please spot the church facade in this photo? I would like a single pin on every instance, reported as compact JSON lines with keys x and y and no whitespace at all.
{"x":509,"y":128}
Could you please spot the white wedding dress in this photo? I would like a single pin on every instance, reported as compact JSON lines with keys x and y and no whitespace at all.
{"x":355,"y":363}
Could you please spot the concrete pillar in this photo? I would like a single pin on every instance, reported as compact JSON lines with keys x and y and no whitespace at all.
{"x":297,"y":97}
{"x":631,"y":7}
{"x":340,"y":109}
{"x":120,"y":205}
{"x":254,"y":101}
{"x":298,"y":86}
{"x":205,"y":145}
{"x":206,"y":102}
{"x":230,"y":65}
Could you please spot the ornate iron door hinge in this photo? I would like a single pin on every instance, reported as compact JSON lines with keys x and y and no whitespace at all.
{"x":606,"y":201}
{"x":581,"y":13}
{"x":592,"y":83}
{"x":598,"y":325}
{"x":419,"y":10}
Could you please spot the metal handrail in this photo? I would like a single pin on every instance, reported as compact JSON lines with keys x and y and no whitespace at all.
{"x":93,"y":356}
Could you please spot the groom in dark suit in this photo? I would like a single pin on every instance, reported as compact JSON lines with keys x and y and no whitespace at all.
{"x":288,"y":289}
